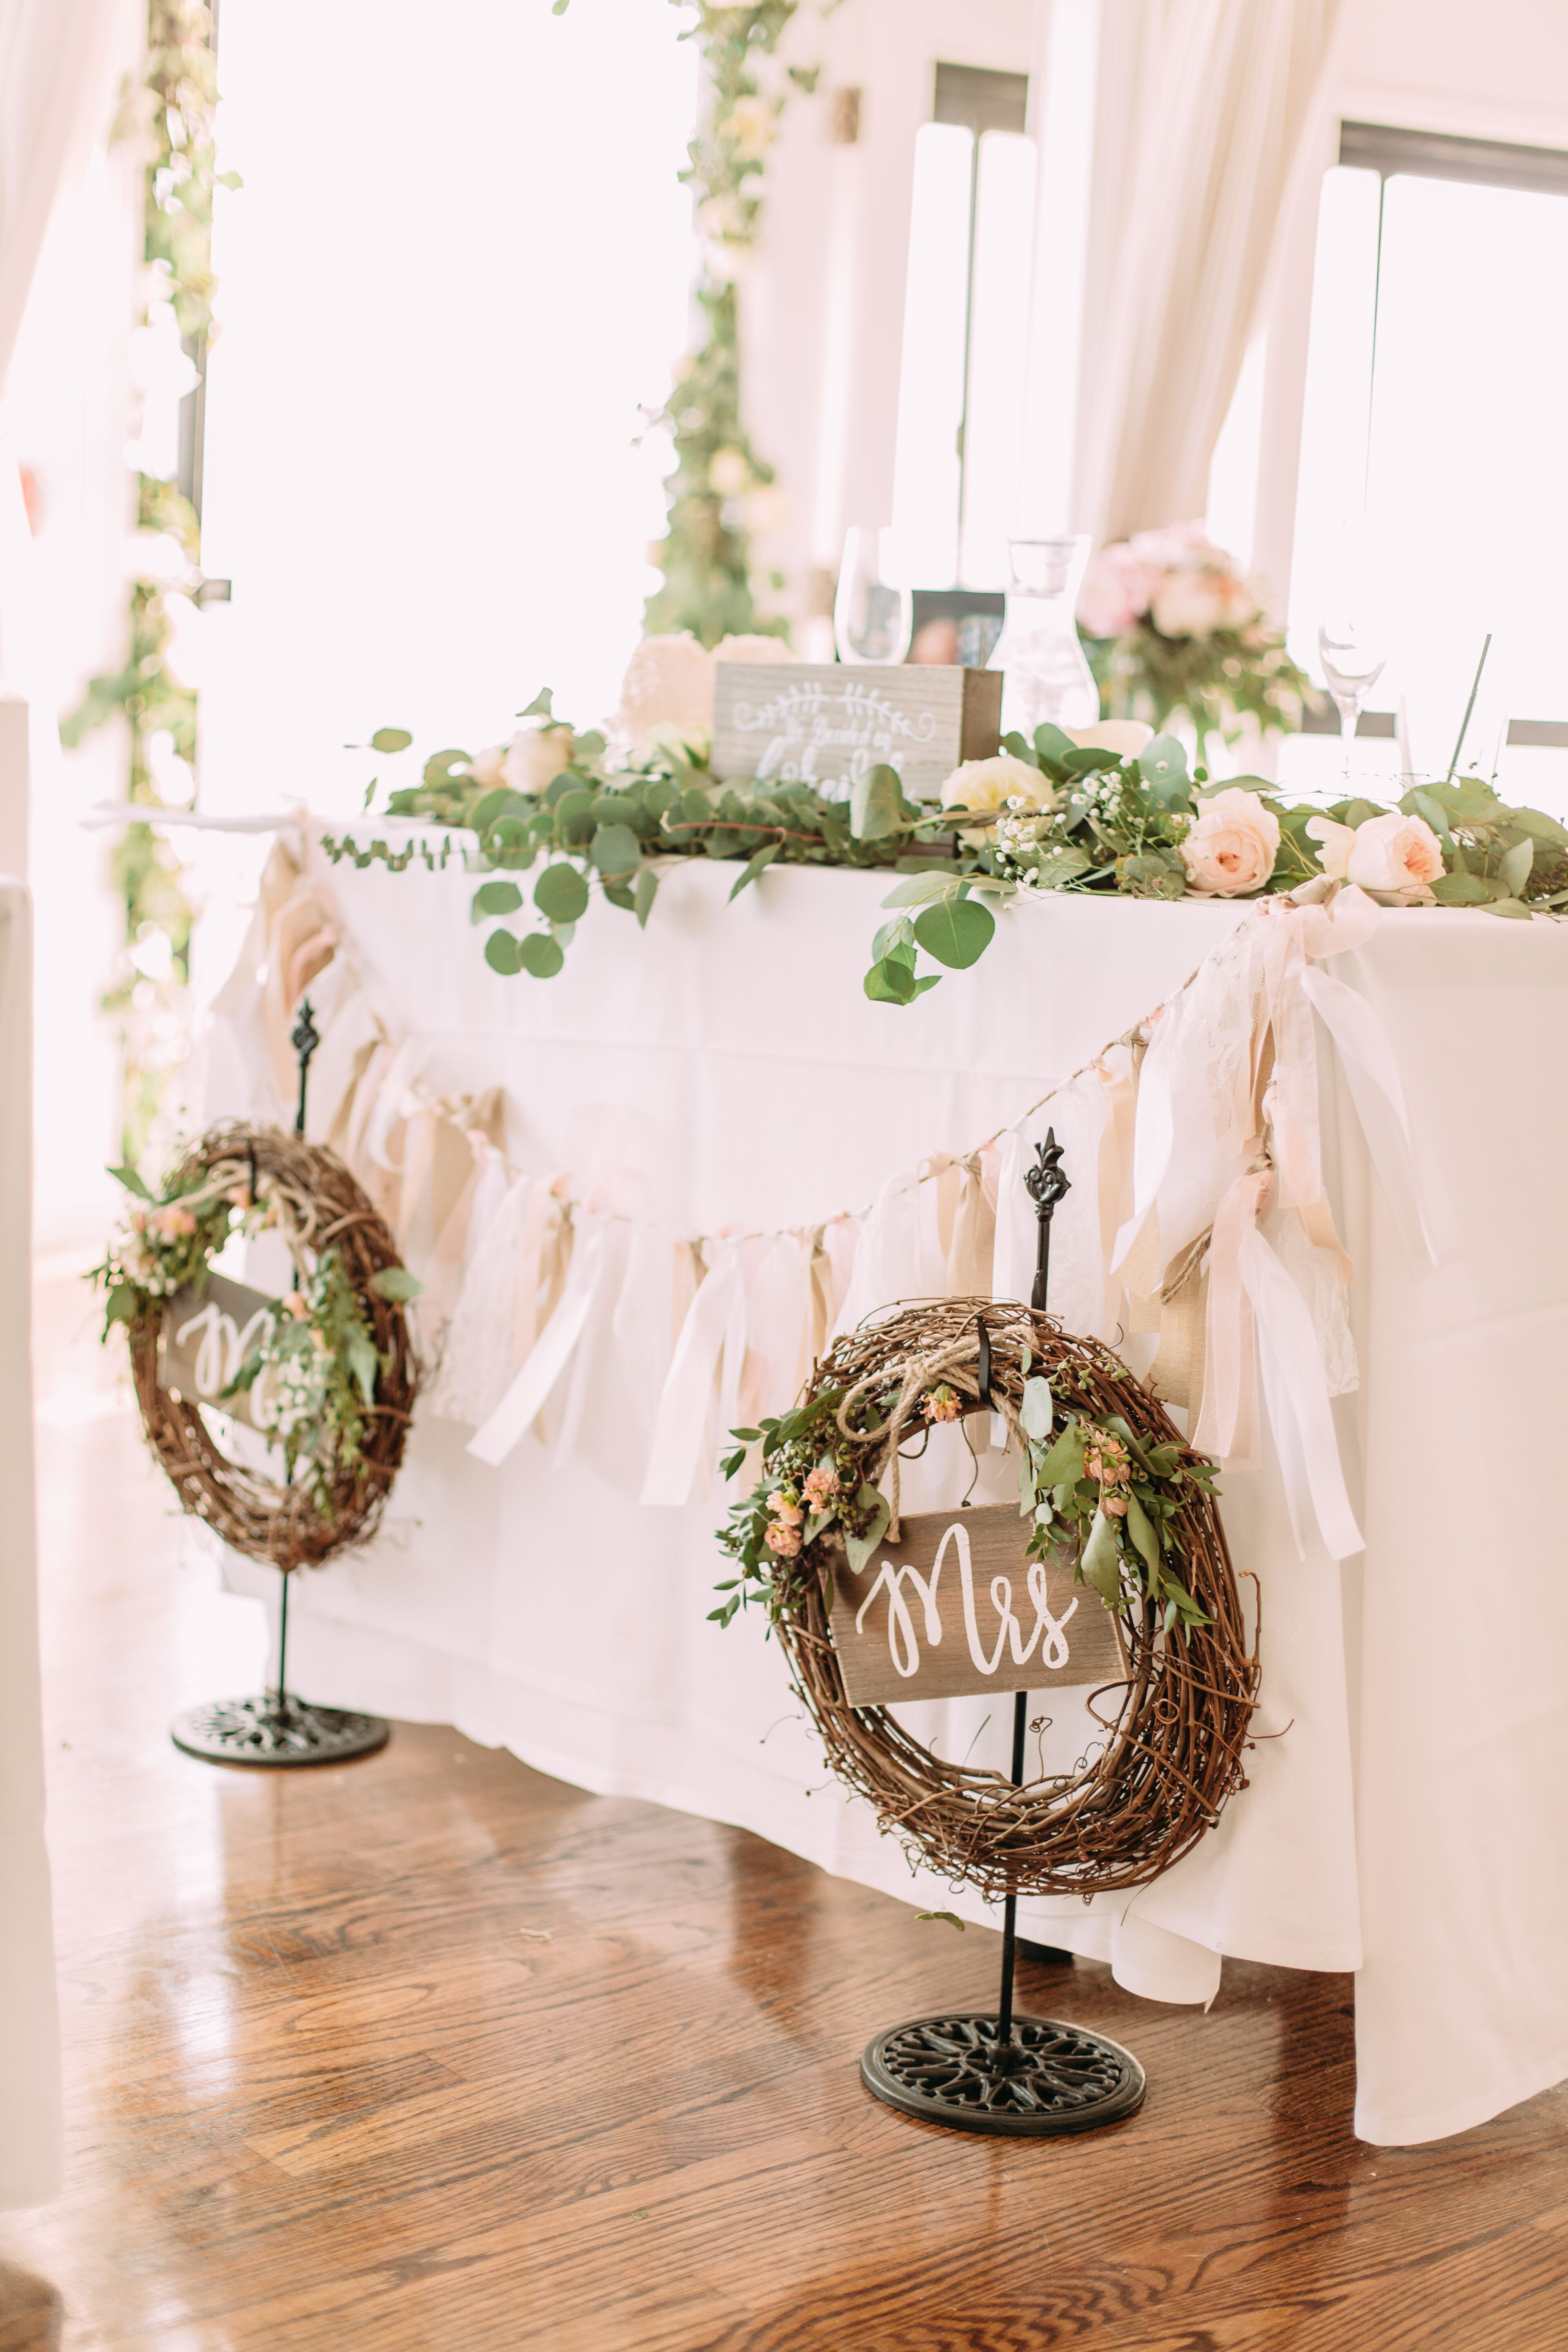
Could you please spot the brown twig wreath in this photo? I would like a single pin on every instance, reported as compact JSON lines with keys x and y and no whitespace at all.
{"x":242,"y":1176}
{"x":1175,"y":1730}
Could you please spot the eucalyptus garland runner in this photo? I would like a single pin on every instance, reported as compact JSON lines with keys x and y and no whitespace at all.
{"x":1044,"y":814}
{"x":329,"y":1378}
{"x":1110,"y":1484}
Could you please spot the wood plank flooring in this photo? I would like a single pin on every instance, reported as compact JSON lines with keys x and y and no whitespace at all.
{"x":434,"y":2055}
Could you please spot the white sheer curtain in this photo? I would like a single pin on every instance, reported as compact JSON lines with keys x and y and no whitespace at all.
{"x":57,"y":61}
{"x":1201,"y":107}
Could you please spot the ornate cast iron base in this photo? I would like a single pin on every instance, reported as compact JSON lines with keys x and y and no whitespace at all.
{"x":276,"y":1731}
{"x":1048,"y":2078}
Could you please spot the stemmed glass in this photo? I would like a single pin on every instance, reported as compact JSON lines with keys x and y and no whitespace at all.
{"x":872,"y":619}
{"x":1351,"y":651}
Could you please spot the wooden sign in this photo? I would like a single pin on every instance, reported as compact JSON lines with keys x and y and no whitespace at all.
{"x":206,"y":1341}
{"x":826,"y":723}
{"x":957,"y":1605}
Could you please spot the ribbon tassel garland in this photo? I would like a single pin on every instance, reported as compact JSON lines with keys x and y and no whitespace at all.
{"x":1202,"y":1124}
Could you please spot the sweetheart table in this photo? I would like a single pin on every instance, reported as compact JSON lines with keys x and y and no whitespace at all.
{"x":722,"y":1075}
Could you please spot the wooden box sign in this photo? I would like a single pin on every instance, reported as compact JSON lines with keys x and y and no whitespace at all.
{"x":206,"y":1341}
{"x":826,"y":723}
{"x":958,"y":1606}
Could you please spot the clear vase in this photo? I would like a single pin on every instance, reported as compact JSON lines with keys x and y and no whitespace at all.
{"x":1046,"y":672}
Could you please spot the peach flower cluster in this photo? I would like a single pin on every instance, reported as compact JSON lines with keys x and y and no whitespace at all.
{"x":1232,"y":845}
{"x":1105,"y":1459}
{"x":942,"y":1404}
{"x":820,"y":1485}
{"x":783,"y":1533}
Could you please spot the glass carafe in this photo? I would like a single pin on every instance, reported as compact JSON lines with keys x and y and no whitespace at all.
{"x":1046,"y":672}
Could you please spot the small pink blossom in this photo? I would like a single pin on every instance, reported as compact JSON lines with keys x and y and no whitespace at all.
{"x":1115,"y":592}
{"x":292,"y":1304}
{"x":784,"y":1539}
{"x":820,"y":1486}
{"x":1233,"y":845}
{"x":942,"y":1404}
{"x":173,"y":1223}
{"x":783,"y":1506}
{"x":1113,"y":1506}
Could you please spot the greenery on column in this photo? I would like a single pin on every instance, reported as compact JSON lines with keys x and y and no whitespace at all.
{"x":169,"y":113}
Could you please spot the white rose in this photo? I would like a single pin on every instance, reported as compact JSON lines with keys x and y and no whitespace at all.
{"x":1395,"y":856}
{"x":1232,"y":845}
{"x":533,"y":757}
{"x":991,"y":783}
{"x":1125,"y":736}
{"x":669,"y":683}
{"x":1335,"y":843}
{"x":488,"y":767}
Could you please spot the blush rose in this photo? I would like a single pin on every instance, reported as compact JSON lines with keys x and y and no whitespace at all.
{"x":1231,"y":847}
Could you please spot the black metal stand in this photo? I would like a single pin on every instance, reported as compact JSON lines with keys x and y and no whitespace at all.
{"x":1024,"y":2077}
{"x":276,"y":1728}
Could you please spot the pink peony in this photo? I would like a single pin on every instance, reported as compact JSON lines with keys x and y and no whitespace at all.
{"x":1397,"y":857}
{"x":1231,"y":847}
{"x":1115,"y":592}
{"x":782,"y":1539}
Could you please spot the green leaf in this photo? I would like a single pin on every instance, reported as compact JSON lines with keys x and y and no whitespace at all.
{"x":1422,"y":804}
{"x":119,"y":1305}
{"x":1509,"y":907}
{"x":643,"y":893}
{"x":391,"y":738}
{"x":957,"y":932}
{"x":131,"y":1181}
{"x":877,"y":805}
{"x":442,"y":766}
{"x":363,"y":1364}
{"x":1102,"y":1561}
{"x":1026,"y":1486}
{"x":1162,"y":765}
{"x":540,"y":706}
{"x":917,"y":888}
{"x":1063,"y":1465}
{"x":1460,"y":890}
{"x":859,"y":1548}
{"x":617,"y":851}
{"x":543,"y":955}
{"x":395,"y":1282}
{"x":754,"y":866}
{"x":1038,"y":1411}
{"x":561,"y":894}
{"x":496,"y":898}
{"x":503,"y":955}
{"x":1540,"y":826}
{"x":948,"y":1919}
{"x":1513,"y":866}
{"x":1142,"y":1534}
{"x":890,"y":982}
{"x":1051,"y":744}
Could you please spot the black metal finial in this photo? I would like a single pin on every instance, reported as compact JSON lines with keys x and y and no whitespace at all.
{"x":305,"y":1037}
{"x":1048,"y":1186}
{"x":983,"y":1366}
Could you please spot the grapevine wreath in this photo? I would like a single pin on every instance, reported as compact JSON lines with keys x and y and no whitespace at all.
{"x":1110,"y":1485}
{"x":331,"y":1375}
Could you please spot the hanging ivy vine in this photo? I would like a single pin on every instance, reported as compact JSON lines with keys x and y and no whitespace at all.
{"x":170,"y":113}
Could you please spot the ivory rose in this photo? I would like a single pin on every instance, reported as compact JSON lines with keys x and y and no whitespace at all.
{"x":669,"y":683}
{"x":1395,"y":856}
{"x":533,"y":757}
{"x":1334,"y":844}
{"x":991,"y":783}
{"x":1231,"y":847}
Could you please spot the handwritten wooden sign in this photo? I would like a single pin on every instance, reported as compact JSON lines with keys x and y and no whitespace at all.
{"x":826,"y":723}
{"x":957,"y":1606}
{"x":206,"y":1341}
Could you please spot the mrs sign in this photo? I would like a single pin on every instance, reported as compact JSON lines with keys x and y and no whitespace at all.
{"x":957,"y":1605}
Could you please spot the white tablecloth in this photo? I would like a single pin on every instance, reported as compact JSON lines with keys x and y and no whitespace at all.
{"x":1403,"y":1817}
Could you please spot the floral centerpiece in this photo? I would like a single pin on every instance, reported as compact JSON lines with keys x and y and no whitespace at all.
{"x":1171,"y":628}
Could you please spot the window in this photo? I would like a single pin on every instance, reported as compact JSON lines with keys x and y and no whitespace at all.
{"x":1432,"y":456}
{"x":961,"y":390}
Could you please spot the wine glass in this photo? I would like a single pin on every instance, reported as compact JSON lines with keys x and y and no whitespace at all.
{"x":872,"y":618}
{"x":1353,"y":653}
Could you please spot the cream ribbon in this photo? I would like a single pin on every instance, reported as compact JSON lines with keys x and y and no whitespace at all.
{"x":712,"y":1342}
{"x":550,"y":1355}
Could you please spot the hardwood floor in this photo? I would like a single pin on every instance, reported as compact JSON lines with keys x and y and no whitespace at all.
{"x":434,"y":2055}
